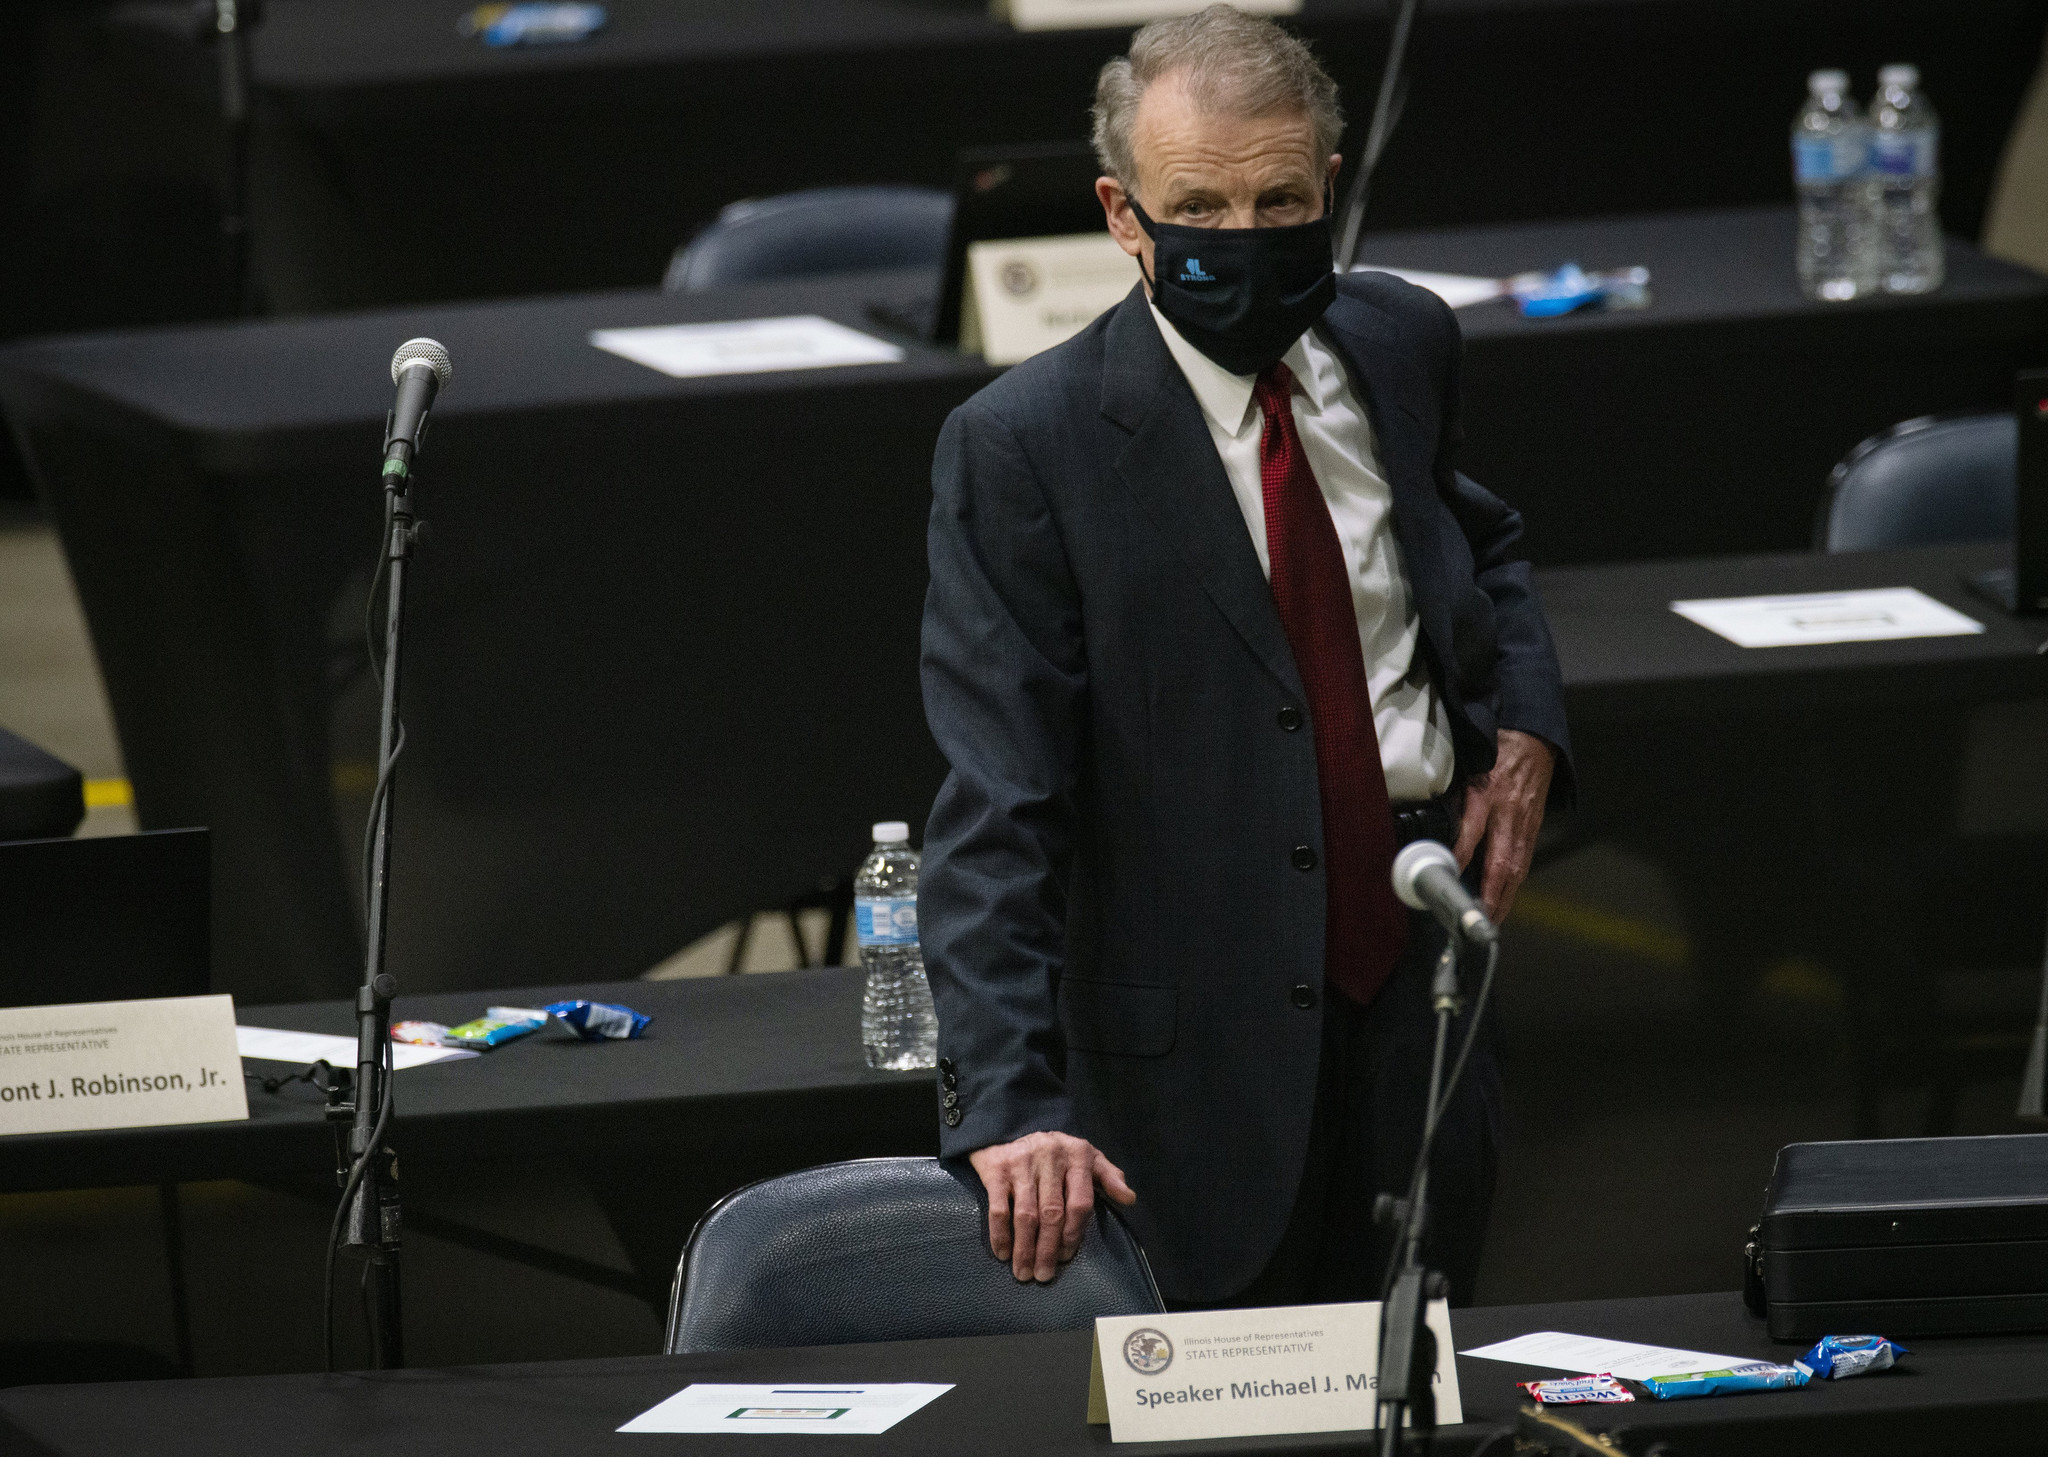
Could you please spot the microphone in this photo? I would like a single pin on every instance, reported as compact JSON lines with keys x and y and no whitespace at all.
{"x":420,"y":369}
{"x":1426,"y":879}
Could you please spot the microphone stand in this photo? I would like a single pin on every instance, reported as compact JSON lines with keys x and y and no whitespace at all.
{"x":1408,"y":1356}
{"x":1386,"y":115}
{"x":368,"y":1220}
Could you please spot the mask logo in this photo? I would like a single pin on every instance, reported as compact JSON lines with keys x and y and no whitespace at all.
{"x":1192,"y":273}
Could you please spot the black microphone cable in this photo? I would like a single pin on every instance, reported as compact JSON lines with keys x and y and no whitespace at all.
{"x":348,"y":1194}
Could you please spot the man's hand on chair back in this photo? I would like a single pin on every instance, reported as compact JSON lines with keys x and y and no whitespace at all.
{"x":1041,"y":1190}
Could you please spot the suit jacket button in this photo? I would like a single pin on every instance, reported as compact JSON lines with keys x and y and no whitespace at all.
{"x":946,"y":1066}
{"x":1304,"y":857}
{"x":952,"y":1099}
{"x":1303,"y":996}
{"x":949,"y":1080}
{"x":952,"y":1117}
{"x":1290,"y":718}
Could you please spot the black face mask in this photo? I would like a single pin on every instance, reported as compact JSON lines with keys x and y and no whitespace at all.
{"x":1241,"y":295}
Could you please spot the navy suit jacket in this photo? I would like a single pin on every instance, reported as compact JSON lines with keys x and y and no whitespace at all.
{"x":1110,"y":909}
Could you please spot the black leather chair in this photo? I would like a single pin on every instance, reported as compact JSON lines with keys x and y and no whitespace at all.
{"x":890,"y":1249}
{"x":1926,"y":482}
{"x":821,"y":230}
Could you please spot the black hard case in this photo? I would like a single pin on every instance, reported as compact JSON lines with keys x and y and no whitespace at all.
{"x":1903,"y":1237}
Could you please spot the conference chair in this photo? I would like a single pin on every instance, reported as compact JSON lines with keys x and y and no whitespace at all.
{"x":1936,"y":974}
{"x":821,"y":230}
{"x":885,"y":1249}
{"x":1926,"y":482}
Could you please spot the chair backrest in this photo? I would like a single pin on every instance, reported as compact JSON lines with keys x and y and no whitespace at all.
{"x":819,"y":231}
{"x":890,"y":1249}
{"x":1924,"y":483}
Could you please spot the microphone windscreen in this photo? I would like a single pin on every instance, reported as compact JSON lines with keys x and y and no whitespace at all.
{"x":1416,"y":857}
{"x":429,"y":351}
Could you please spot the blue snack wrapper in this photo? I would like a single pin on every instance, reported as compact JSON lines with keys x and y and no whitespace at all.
{"x":1755,"y":1376}
{"x":1834,"y":1357}
{"x":491,"y":1030}
{"x":1570,"y":288}
{"x":533,"y":24}
{"x":599,"y":1021}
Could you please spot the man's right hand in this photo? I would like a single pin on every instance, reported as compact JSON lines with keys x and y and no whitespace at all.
{"x":1041,"y":1190}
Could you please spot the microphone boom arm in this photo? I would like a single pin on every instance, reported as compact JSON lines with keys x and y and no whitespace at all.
{"x":1386,"y":115}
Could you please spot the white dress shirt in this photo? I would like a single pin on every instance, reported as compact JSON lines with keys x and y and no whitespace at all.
{"x":1414,"y":730}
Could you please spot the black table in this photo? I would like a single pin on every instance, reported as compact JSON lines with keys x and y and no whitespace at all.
{"x":1683,"y":737}
{"x":662,"y":663}
{"x":737,"y":1078}
{"x":537,"y":169}
{"x":1708,"y":422}
{"x":1806,"y":801}
{"x":1029,"y":1393}
{"x":767,"y":1062}
{"x":1630,"y":661}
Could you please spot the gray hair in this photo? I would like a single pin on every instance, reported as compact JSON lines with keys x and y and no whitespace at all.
{"x":1231,"y":62}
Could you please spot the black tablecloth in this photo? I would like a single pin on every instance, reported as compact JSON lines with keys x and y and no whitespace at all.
{"x":535,"y":169}
{"x":661,"y":659}
{"x":1709,"y":421}
{"x":764,"y":1073}
{"x":736,"y":1079}
{"x":1029,"y":1394}
{"x":661,"y":663}
{"x":1629,"y":661}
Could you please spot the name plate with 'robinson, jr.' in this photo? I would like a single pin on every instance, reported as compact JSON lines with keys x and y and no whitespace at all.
{"x":84,"y":1065}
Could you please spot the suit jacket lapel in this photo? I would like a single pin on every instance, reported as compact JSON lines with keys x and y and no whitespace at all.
{"x":1395,"y":396}
{"x":1170,"y":464}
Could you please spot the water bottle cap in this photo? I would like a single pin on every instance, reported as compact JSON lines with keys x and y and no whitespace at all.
{"x":1906,"y":77}
{"x":892,"y":832}
{"x":1822,"y":82}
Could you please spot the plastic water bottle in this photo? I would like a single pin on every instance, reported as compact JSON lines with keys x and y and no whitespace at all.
{"x":1905,"y":160}
{"x":1830,"y":146}
{"x":898,"y":1026}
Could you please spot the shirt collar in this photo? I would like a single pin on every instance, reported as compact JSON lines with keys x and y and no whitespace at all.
{"x":1226,"y":398}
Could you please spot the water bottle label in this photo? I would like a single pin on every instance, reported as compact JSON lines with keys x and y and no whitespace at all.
{"x":1827,"y":159}
{"x":886,"y":920}
{"x":1903,"y":154}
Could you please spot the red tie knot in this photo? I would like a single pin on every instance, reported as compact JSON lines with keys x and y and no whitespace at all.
{"x":1272,"y":387}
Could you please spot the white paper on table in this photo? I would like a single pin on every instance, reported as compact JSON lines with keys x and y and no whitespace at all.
{"x":1083,"y":14}
{"x":1593,"y":1356}
{"x":818,"y":1410}
{"x":746,"y":346}
{"x":1455,"y":289}
{"x":1876,"y":615}
{"x":277,"y":1045}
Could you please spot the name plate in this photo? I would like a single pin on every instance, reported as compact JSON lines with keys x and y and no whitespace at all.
{"x":1086,"y":14}
{"x":1251,"y":1373}
{"x":1025,"y":295}
{"x":137,"y":1064}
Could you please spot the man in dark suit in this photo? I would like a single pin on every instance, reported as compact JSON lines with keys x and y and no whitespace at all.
{"x":1215,"y":626}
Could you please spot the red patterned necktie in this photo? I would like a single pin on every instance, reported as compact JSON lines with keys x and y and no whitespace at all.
{"x":1364,"y":925}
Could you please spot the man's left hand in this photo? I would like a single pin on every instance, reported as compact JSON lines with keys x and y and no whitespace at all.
{"x":1504,"y":807}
